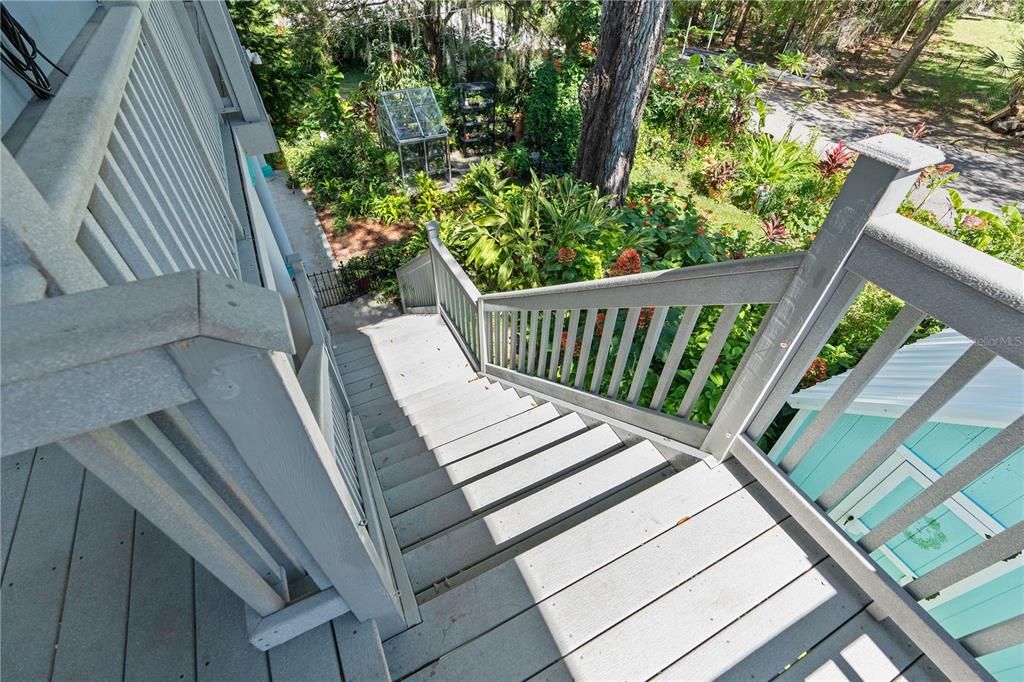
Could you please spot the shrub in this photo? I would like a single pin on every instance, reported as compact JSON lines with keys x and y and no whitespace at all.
{"x":551,"y":115}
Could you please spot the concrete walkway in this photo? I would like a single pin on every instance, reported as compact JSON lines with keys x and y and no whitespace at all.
{"x":301,"y":224}
{"x":987,"y":180}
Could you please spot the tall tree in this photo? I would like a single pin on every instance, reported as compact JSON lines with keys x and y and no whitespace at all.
{"x":613,"y":94}
{"x":940,"y":10}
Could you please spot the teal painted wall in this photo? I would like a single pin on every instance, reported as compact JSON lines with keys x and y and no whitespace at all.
{"x":941,"y":535}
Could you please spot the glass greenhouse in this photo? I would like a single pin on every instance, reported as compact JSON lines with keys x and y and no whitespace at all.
{"x":410,"y":123}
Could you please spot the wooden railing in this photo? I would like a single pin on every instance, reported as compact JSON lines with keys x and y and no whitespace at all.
{"x":614,"y":347}
{"x":156,"y":333}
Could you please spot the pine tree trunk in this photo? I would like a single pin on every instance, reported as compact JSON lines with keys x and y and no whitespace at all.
{"x":743,"y":23}
{"x":908,"y":19}
{"x":613,"y":94}
{"x":939,"y":12}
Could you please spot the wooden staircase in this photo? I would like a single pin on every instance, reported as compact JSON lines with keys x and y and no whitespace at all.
{"x":543,"y":543}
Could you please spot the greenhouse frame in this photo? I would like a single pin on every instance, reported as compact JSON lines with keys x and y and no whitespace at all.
{"x":410,"y":123}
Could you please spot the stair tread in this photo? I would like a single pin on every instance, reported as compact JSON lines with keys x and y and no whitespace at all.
{"x":415,"y":409}
{"x":442,"y":479}
{"x":458,"y":409}
{"x":443,"y":512}
{"x":474,"y":421}
{"x":516,"y":585}
{"x":463,"y":545}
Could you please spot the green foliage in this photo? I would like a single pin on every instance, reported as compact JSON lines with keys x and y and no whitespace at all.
{"x":576,"y":26}
{"x":1000,"y":235}
{"x":551,"y":115}
{"x":665,"y":228}
{"x":702,"y":102}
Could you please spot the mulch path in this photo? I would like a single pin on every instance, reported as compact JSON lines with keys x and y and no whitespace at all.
{"x":362,"y":236}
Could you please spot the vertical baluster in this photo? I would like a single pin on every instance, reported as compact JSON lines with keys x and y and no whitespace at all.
{"x":513,"y":318}
{"x":647,"y":354}
{"x":521,"y":354}
{"x":556,"y":344}
{"x":622,"y":352}
{"x":542,"y":351}
{"x":675,"y":356}
{"x":588,"y":339}
{"x":502,"y":340}
{"x":611,"y":316}
{"x":570,"y":344}
{"x":707,"y":361}
{"x":531,"y":364}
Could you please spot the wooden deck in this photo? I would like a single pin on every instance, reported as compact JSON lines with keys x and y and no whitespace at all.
{"x":540,"y":545}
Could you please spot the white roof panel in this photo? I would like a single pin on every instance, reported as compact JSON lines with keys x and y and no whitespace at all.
{"x":994,"y":398}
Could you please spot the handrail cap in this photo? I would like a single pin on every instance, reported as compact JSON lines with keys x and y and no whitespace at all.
{"x":899,"y":152}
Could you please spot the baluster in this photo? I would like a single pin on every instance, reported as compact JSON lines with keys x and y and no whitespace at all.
{"x":938,"y":394}
{"x":707,"y":361}
{"x":542,"y":351}
{"x":588,"y":339}
{"x":531,"y":364}
{"x":502,"y":345}
{"x":556,"y":344}
{"x":521,"y":354}
{"x":622,"y":352}
{"x":570,"y":345}
{"x":647,"y":354}
{"x":513,"y":324}
{"x":675,"y":355}
{"x":610,"y":318}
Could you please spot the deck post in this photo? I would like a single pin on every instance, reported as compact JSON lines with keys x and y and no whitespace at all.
{"x":884,"y":173}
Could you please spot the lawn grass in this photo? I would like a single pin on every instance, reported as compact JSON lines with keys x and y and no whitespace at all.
{"x":720,"y":214}
{"x":947,"y":76}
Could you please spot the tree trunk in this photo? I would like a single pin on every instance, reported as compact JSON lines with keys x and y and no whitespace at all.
{"x":432,"y":34}
{"x":743,"y":23}
{"x":908,"y":20}
{"x":613,"y":94}
{"x":939,"y":12}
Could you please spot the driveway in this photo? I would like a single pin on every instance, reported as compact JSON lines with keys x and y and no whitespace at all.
{"x":987,"y":180}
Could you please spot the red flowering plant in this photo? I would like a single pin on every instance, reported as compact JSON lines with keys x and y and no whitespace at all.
{"x":665,"y":229}
{"x":837,"y":159}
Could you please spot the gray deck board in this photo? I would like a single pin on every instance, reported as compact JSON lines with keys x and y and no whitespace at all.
{"x":14,"y":472}
{"x":516,"y":585}
{"x":361,"y":652}
{"x":313,"y":656}
{"x":161,"y":615}
{"x":222,"y":643}
{"x":647,"y":641}
{"x":575,"y":615}
{"x":95,"y":615}
{"x":446,"y":554}
{"x":863,"y":649}
{"x":443,"y":512}
{"x":774,"y":634}
{"x":37,"y":567}
{"x":533,"y":430}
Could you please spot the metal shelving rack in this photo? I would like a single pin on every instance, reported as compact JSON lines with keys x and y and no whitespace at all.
{"x":476,"y":116}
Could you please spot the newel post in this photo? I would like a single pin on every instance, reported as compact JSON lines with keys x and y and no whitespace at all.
{"x":884,"y":173}
{"x":433,"y":243}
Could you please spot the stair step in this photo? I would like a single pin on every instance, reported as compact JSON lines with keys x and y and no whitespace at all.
{"x":426,"y":397}
{"x":516,"y":585}
{"x":457,"y":410}
{"x":446,"y":554}
{"x":528,"y":441}
{"x":473,"y":421}
{"x":364,"y":657}
{"x":473,"y":498}
{"x":394,"y":413}
{"x":478,"y":441}
{"x":356,"y":386}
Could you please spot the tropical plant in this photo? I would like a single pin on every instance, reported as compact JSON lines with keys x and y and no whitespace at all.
{"x":1012,"y":69}
{"x":767,"y":163}
{"x":837,"y":159}
{"x":794,"y":63}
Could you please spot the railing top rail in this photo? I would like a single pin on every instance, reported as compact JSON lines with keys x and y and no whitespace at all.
{"x":769,"y":276}
{"x":986,"y":274}
{"x":449,"y":260}
{"x":58,"y":333}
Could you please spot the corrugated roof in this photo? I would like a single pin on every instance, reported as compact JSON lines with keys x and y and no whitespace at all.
{"x":994,"y":398}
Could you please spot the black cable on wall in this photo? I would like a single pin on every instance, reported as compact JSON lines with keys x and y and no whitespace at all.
{"x":20,"y":53}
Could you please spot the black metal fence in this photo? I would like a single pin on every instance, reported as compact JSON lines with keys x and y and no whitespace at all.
{"x":358,"y":276}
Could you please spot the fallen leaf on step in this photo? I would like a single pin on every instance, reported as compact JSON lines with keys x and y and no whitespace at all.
{"x":682,"y":520}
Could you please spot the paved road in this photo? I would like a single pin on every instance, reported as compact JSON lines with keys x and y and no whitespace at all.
{"x":987,"y":180}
